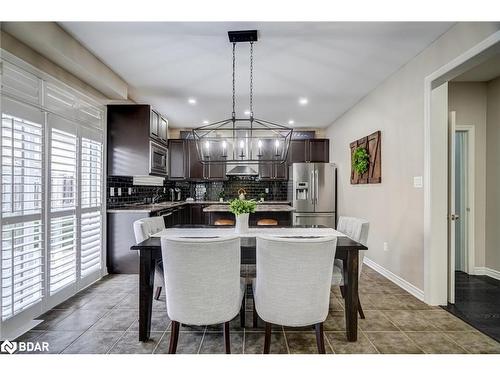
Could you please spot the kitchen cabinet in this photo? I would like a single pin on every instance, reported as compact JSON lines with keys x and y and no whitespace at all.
{"x":316,"y":150}
{"x":199,"y":171}
{"x":133,"y":149}
{"x":158,"y":127}
{"x":177,"y":160}
{"x":197,"y":214}
{"x":271,"y":171}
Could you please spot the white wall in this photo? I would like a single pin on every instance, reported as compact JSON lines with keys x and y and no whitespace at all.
{"x":51,"y":41}
{"x":493,"y":176}
{"x":396,"y":107}
{"x":469,"y":99}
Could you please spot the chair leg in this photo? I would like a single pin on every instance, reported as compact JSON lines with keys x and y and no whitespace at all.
{"x":174,"y":337}
{"x":267,"y":338}
{"x":320,"y":340}
{"x":157,"y":293}
{"x":242,"y":312}
{"x":360,"y":309}
{"x":342,"y":290}
{"x":255,"y":316}
{"x":227,"y":339}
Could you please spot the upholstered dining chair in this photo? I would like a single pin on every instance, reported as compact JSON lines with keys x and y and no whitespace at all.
{"x":356,"y":229}
{"x":203,"y":285}
{"x":292,"y":287}
{"x":143,"y":229}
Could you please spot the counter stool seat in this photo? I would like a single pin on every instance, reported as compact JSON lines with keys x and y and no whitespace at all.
{"x":224,"y":222}
{"x":263,"y":222}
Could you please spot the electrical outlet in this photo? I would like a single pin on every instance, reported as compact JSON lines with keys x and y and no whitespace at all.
{"x":266,"y":190}
{"x":418,"y":182}
{"x":386,"y":246}
{"x":119,"y":192}
{"x":129,"y":191}
{"x":111,"y":192}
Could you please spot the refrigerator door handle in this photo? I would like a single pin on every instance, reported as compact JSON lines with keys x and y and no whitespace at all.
{"x":316,"y":192}
{"x":313,"y":193}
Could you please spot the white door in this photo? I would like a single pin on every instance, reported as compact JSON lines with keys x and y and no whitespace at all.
{"x":451,"y":206}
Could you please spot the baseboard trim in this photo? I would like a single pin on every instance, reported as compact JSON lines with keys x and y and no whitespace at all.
{"x":410,"y":288}
{"x":485,"y":271}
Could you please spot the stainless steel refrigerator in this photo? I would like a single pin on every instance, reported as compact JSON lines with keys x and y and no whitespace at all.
{"x":313,"y":192}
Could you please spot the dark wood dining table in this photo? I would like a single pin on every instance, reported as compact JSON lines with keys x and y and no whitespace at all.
{"x":150,"y":255}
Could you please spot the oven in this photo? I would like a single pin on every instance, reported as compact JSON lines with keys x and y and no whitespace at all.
{"x":158,"y":159}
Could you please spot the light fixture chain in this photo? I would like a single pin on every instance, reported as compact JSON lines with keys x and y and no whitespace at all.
{"x":251,"y":80}
{"x":234,"y":81}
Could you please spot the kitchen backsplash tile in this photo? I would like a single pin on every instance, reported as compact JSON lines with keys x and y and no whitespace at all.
{"x":277,"y":190}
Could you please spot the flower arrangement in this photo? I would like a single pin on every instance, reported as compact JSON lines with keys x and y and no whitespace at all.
{"x":242,"y":206}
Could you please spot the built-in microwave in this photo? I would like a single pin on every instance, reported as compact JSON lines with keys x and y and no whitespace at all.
{"x":158,"y":159}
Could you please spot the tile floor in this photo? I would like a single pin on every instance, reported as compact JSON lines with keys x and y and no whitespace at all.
{"x":103,"y":319}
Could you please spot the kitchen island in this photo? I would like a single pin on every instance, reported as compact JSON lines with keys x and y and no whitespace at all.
{"x":282,"y":213}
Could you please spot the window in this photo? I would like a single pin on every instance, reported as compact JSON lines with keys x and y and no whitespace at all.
{"x":22,"y":255}
{"x":91,"y":173}
{"x":52,"y":175}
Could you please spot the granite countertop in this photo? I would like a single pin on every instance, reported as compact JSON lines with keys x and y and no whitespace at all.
{"x":260,"y":208}
{"x":150,"y":207}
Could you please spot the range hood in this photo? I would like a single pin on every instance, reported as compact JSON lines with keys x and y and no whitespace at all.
{"x":241,"y":170}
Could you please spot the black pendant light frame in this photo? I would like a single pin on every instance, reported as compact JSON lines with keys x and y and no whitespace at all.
{"x":242,"y":140}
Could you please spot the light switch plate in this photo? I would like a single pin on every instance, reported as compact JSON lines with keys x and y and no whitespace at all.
{"x":418,"y":182}
{"x":111,"y":192}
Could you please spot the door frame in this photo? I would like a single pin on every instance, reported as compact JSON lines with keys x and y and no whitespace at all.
{"x":435,"y":218}
{"x":471,"y":182}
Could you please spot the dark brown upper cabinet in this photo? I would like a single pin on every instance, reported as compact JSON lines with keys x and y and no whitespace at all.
{"x":130,"y":139}
{"x":199,"y":171}
{"x":271,"y":171}
{"x":158,"y":127}
{"x":315,"y":150}
{"x":177,"y":159}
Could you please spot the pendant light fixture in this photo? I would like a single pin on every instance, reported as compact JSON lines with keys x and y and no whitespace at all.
{"x":247,"y":140}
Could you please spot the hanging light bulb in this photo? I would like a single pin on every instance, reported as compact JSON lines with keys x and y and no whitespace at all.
{"x":242,"y":147}
{"x":224,"y":147}
{"x":259,"y":145}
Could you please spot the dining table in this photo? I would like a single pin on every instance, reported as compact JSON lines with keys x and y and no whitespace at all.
{"x":150,"y":254}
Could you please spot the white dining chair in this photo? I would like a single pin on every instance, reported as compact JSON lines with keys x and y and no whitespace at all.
{"x":292,"y":286}
{"x":356,"y":229}
{"x":143,"y":229}
{"x":202,"y":282}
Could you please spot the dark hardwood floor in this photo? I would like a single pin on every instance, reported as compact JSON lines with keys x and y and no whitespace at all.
{"x":477,"y":302}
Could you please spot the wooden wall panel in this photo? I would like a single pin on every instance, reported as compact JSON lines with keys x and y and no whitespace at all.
{"x":372,"y":143}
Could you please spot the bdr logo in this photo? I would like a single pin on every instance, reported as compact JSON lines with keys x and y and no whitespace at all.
{"x":11,"y":347}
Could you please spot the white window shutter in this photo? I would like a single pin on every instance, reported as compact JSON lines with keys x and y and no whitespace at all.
{"x":22,"y":237}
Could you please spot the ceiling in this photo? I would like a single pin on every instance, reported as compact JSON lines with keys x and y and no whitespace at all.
{"x":332,"y":64}
{"x":484,"y":72}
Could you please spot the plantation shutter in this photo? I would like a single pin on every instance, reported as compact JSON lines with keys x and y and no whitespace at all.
{"x":22,"y":254}
{"x":63,"y":203}
{"x":91,"y":202}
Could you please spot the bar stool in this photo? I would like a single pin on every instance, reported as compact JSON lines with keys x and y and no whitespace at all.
{"x":224,"y":222}
{"x":265,"y":222}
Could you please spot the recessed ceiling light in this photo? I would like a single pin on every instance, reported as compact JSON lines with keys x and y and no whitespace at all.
{"x":247,"y":113}
{"x":192,"y":101}
{"x":303,"y":101}
{"x":205,"y":122}
{"x":291,"y":122}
